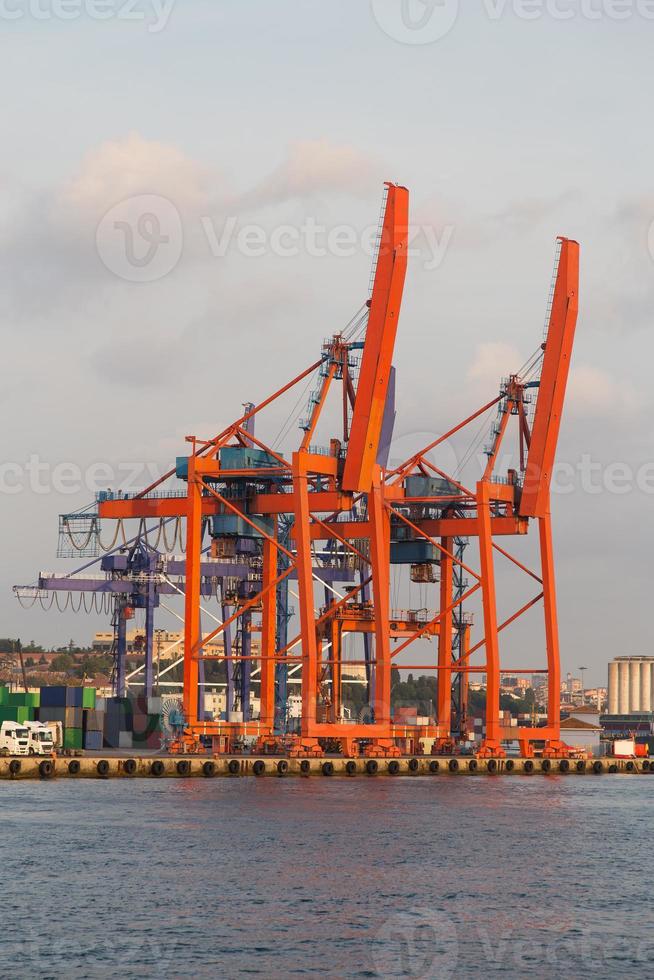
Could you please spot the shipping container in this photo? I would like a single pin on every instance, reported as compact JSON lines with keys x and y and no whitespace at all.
{"x":93,"y":740}
{"x":624,"y":748}
{"x":144,"y":726}
{"x":92,"y":720}
{"x":14,"y":712}
{"x":47,"y":713}
{"x":88,"y":697}
{"x":72,"y":717}
{"x":60,"y":697}
{"x":23,"y":699}
{"x":73,"y":738}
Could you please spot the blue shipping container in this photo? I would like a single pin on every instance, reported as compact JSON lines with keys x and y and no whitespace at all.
{"x":61,"y":697}
{"x":93,"y":740}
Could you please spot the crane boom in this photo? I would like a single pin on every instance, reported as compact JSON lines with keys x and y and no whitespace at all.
{"x":376,"y":361}
{"x":534,"y":501}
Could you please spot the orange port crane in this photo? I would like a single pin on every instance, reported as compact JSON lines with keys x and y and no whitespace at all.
{"x":343,"y":499}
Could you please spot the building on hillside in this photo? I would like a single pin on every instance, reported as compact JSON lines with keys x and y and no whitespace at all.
{"x":168,"y":644}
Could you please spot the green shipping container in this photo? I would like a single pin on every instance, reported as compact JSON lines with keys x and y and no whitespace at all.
{"x":24,"y":699}
{"x":4,"y":695}
{"x":13,"y":712}
{"x":73,"y":738}
{"x":88,"y":697}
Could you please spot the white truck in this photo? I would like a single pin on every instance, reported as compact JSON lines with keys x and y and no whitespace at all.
{"x":14,"y":738}
{"x":41,"y":738}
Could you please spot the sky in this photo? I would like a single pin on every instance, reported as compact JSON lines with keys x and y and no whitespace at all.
{"x":186,"y":196}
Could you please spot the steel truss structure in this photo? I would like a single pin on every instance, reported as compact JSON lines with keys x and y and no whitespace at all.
{"x":344,"y":501}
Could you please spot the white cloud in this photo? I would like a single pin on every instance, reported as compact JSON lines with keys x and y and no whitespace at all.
{"x":594,"y":393}
{"x":493,"y":361}
{"x":121,"y":168}
{"x":315,"y":167}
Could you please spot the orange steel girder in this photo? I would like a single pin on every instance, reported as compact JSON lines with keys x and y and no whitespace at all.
{"x":534,"y":501}
{"x":376,"y":362}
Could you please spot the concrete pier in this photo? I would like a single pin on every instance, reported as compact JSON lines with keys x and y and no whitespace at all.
{"x":184,"y":767}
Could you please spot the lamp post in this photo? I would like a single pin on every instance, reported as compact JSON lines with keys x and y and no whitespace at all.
{"x":583,"y":697}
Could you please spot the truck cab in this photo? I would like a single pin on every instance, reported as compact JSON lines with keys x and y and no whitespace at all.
{"x":40,"y":738}
{"x":14,"y":738}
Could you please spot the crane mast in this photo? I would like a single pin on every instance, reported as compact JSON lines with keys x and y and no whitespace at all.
{"x":377,"y":358}
{"x":560,"y":332}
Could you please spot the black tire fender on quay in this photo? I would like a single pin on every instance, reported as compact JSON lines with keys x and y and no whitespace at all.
{"x":233,"y":767}
{"x":434,"y":765}
{"x":157,"y":768}
{"x":393,"y":767}
{"x":372,"y":767}
{"x":282,"y":767}
{"x":453,"y":765}
{"x":102,"y":767}
{"x":209,"y":769}
{"x":259,"y":767}
{"x":328,"y":768}
{"x":74,"y":767}
{"x":46,"y":769}
{"x":129,"y":766}
{"x":14,"y":767}
{"x":183,"y":767}
{"x":351,"y":767}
